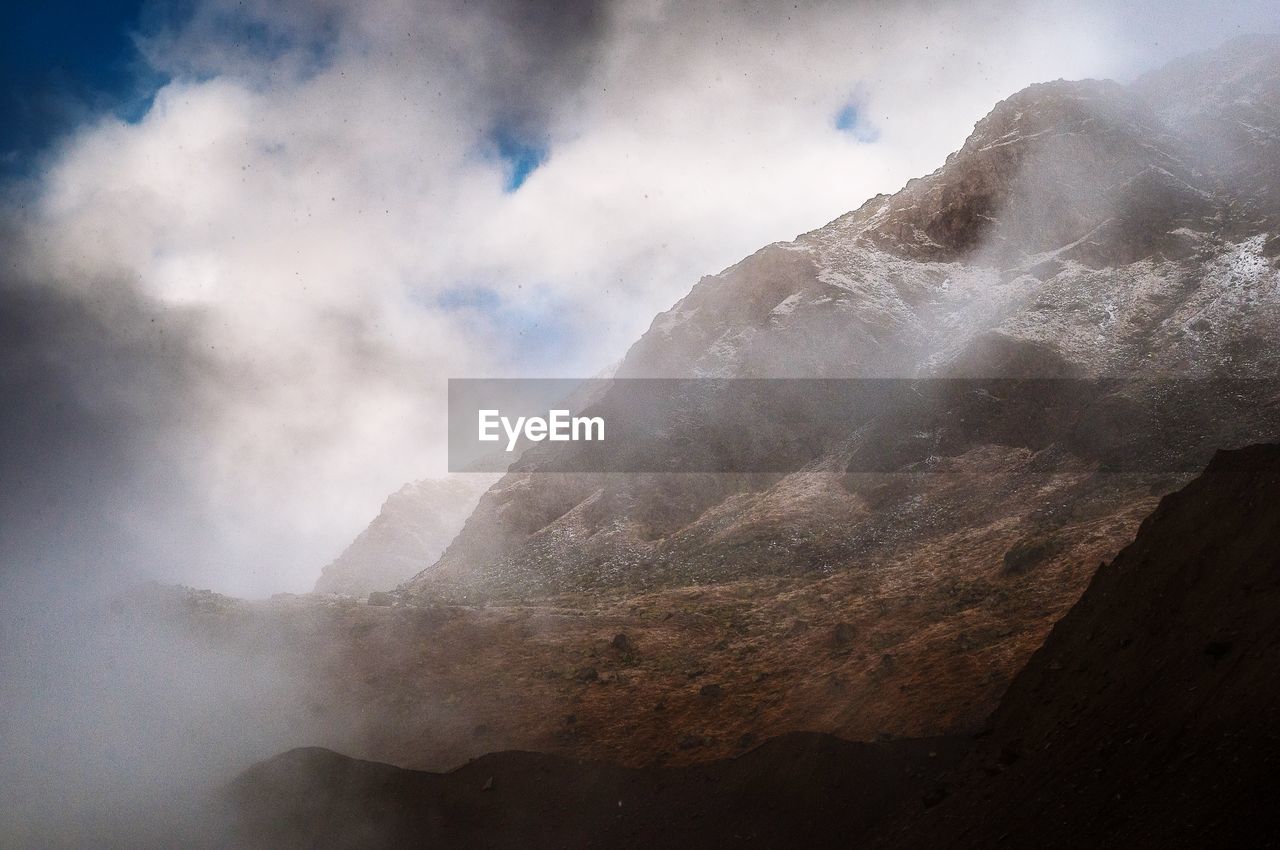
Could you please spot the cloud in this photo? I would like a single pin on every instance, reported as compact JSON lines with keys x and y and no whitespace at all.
{"x":317,"y":182}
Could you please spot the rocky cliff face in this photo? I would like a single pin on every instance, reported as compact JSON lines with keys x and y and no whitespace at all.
{"x":1084,"y":229}
{"x":413,"y":527}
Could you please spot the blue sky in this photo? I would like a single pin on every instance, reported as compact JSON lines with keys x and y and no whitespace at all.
{"x":520,"y":155}
{"x":851,"y":120}
{"x":62,"y":61}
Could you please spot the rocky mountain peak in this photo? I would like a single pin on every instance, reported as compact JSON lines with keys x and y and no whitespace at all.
{"x":1079,"y":232}
{"x":1044,"y":169}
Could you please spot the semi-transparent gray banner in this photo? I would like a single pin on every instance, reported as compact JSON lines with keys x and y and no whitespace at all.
{"x":858,"y":425}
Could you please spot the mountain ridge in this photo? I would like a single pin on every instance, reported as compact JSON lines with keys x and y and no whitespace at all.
{"x":1075,"y":233}
{"x":413,"y":526}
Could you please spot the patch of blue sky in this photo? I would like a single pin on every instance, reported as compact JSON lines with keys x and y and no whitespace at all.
{"x":519,"y":154}
{"x":851,"y":120}
{"x":64,"y":62}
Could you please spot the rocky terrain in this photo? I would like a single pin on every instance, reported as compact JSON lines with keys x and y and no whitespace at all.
{"x":1084,"y":229}
{"x":1147,"y":719}
{"x":907,"y":645}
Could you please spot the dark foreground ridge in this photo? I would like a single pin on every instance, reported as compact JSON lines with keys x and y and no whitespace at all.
{"x":1151,"y":715}
{"x":1150,"y":718}
{"x":796,"y":790}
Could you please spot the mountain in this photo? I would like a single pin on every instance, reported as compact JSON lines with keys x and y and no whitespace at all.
{"x":413,"y":527}
{"x":1147,"y":719}
{"x":1084,"y":230}
{"x":893,"y":583}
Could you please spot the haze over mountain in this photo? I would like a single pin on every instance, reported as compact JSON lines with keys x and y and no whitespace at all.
{"x":1084,"y":229}
{"x":671,"y":619}
{"x":414,"y":526}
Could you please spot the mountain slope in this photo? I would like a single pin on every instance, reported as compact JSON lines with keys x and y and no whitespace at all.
{"x":413,"y":527}
{"x":1147,"y":719}
{"x":1084,"y":229}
